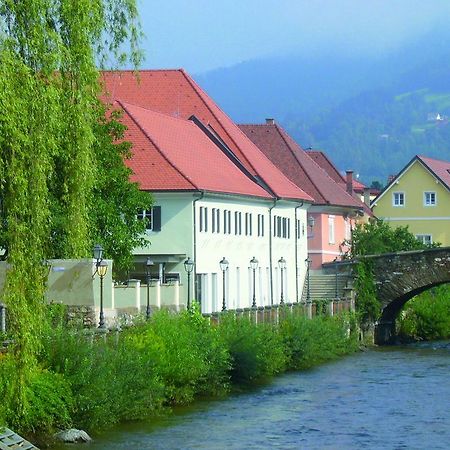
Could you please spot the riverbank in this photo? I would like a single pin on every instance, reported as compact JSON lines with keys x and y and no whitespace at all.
{"x":93,"y":382}
{"x":337,"y":405}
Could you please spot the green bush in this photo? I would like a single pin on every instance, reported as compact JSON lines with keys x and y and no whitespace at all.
{"x":427,"y":316}
{"x":309,"y":342}
{"x":256,"y":350}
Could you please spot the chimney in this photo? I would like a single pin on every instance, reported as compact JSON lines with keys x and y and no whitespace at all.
{"x":367,"y":196}
{"x":270,"y":121}
{"x":390,"y":178}
{"x":349,"y":181}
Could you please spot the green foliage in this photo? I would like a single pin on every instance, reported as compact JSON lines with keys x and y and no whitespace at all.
{"x":256,"y":350}
{"x":50,"y":113}
{"x":93,"y":380}
{"x":309,"y":342}
{"x":377,"y":237}
{"x":368,"y":306}
{"x":426,"y":316}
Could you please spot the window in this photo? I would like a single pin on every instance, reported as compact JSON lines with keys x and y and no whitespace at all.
{"x":426,"y":239}
{"x":203,"y":219}
{"x":331,"y":239}
{"x":398,"y":199}
{"x":260,"y":225}
{"x":248,"y":224}
{"x":298,"y":229}
{"x":152,"y":216}
{"x":429,"y":198}
{"x":215,"y":225}
{"x":282,"y":227}
{"x":237,"y":223}
{"x":226,"y":222}
{"x":348,"y":229}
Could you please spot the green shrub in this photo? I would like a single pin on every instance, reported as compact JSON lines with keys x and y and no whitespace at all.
{"x":427,"y":316}
{"x":308,"y":342}
{"x":256,"y":350}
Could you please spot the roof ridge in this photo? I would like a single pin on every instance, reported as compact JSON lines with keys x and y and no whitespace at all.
{"x":154,"y":143}
{"x":282,"y":133}
{"x":197,"y":90}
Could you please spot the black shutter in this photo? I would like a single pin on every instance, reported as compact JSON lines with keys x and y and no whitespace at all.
{"x":156,"y":218}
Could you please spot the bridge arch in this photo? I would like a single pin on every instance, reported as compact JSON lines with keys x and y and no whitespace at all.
{"x":401,"y":276}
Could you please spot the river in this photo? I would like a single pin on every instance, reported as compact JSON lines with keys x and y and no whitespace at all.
{"x":385,"y":398}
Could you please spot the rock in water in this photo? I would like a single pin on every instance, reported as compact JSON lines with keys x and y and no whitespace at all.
{"x":73,"y":435}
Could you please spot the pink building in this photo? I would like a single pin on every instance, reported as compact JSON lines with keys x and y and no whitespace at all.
{"x":335,"y":208}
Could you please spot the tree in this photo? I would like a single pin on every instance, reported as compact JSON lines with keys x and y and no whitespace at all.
{"x":50,"y":111}
{"x":377,"y":237}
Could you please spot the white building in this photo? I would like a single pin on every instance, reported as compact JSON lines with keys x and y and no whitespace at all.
{"x":216,"y":196}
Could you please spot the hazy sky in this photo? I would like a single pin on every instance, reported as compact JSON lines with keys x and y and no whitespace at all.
{"x":200,"y":35}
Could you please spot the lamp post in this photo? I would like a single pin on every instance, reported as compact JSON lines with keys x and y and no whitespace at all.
{"x":189,"y":267}
{"x":224,"y":267}
{"x":254,"y":266}
{"x":101,"y":267}
{"x":148,"y":264}
{"x":308,"y":291}
{"x":282,"y":266}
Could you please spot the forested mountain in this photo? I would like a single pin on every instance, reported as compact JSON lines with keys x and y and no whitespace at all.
{"x":369,"y":114}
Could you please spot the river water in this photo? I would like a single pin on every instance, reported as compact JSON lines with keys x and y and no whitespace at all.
{"x":386,"y":398}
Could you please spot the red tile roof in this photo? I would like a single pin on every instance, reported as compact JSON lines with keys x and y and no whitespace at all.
{"x":175,"y":154}
{"x":287,"y":155}
{"x":174,"y":93}
{"x":439,"y":167}
{"x":323,"y":161}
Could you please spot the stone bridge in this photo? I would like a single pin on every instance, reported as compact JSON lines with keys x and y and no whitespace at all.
{"x":401,"y":276}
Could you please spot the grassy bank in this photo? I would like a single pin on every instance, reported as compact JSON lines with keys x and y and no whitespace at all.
{"x":426,"y":316}
{"x":92,"y":381}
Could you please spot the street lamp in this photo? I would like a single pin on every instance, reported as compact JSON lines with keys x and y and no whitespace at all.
{"x":148,"y":264}
{"x":189,"y":267}
{"x":254,"y":266}
{"x":308,"y":291}
{"x":282,"y":266}
{"x":101,"y":267}
{"x":224,"y":267}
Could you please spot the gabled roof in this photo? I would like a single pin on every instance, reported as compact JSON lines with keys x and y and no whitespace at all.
{"x":173,"y":154}
{"x":174,"y":93}
{"x":287,"y":155}
{"x":438,"y":168}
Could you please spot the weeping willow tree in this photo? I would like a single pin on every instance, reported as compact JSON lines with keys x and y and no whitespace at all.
{"x":49,"y":53}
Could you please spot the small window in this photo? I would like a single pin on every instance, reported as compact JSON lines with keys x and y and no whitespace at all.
{"x":203,"y":219}
{"x":152,"y":216}
{"x":215,"y":226}
{"x":426,"y":239}
{"x":248,"y":224}
{"x":260,"y":225}
{"x":398,"y":199}
{"x":331,"y":238}
{"x":429,"y":198}
{"x":237,"y":223}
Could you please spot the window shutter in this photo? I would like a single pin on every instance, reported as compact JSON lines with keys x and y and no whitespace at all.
{"x":157,"y":218}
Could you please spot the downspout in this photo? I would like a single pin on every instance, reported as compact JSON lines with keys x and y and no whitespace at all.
{"x":202,"y":194}
{"x":296,"y":251}
{"x":270,"y":250}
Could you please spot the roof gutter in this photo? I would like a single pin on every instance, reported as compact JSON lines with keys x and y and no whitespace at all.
{"x":296,"y":252}
{"x":270,"y":250}
{"x":202,"y":194}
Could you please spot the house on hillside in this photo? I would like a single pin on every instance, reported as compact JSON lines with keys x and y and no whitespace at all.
{"x":334,"y":210}
{"x":216,"y":196}
{"x":419,"y":197}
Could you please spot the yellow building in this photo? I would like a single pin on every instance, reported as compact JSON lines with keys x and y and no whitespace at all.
{"x":419,"y":196}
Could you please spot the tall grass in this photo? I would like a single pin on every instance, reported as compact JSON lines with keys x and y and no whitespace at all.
{"x":92,"y":381}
